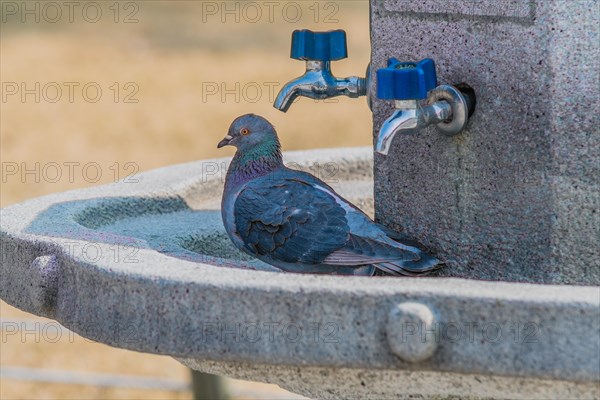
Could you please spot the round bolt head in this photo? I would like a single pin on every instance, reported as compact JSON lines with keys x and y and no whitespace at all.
{"x":460,"y":109}
{"x":409,"y":331}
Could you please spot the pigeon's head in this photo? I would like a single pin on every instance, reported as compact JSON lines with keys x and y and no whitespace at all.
{"x":249,"y":131}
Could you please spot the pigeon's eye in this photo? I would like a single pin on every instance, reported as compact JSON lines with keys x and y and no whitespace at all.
{"x":244,"y":131}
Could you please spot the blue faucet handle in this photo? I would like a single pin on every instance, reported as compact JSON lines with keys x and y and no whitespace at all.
{"x":406,"y":80}
{"x":319,"y":46}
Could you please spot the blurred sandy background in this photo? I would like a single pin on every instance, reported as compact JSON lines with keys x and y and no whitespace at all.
{"x":170,"y":55}
{"x":161,"y":66}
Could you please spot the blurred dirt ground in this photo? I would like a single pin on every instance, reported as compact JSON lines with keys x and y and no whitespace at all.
{"x":174,"y":58}
{"x":183,"y":74}
{"x":47,"y":349}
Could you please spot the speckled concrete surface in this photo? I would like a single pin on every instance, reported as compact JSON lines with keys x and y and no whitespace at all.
{"x":517,"y":196}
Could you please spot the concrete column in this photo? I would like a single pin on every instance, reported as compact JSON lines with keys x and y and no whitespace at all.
{"x":517,"y":196}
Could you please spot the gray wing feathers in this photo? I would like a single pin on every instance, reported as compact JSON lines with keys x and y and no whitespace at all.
{"x":290,"y":221}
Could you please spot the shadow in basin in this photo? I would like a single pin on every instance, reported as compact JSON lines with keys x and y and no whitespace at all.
{"x":167,"y":225}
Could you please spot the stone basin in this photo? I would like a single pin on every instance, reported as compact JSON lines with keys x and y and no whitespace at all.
{"x":147,"y":266}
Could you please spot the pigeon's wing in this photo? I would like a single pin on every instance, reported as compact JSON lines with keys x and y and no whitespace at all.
{"x":298,"y":220}
{"x":290,"y":220}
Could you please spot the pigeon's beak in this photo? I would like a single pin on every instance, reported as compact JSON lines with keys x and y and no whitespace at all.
{"x":225,"y":141}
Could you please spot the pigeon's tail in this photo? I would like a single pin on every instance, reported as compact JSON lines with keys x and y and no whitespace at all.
{"x":423,"y":266}
{"x":394,"y":256}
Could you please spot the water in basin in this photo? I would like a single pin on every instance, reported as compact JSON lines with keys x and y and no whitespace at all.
{"x":166,"y":225}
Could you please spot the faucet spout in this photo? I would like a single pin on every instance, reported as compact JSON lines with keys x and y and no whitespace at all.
{"x":287,"y":95}
{"x":403,"y":119}
{"x":409,"y":118}
{"x":318,"y":83}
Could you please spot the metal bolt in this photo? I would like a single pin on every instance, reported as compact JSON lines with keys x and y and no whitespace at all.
{"x":407,"y":328}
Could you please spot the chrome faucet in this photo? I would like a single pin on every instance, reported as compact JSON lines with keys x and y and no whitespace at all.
{"x":419,"y":103}
{"x":318,"y":49}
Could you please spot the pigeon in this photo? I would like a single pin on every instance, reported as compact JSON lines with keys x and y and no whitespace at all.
{"x":296,"y":222}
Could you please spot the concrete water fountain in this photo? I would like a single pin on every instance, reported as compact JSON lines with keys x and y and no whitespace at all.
{"x":147,"y":266}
